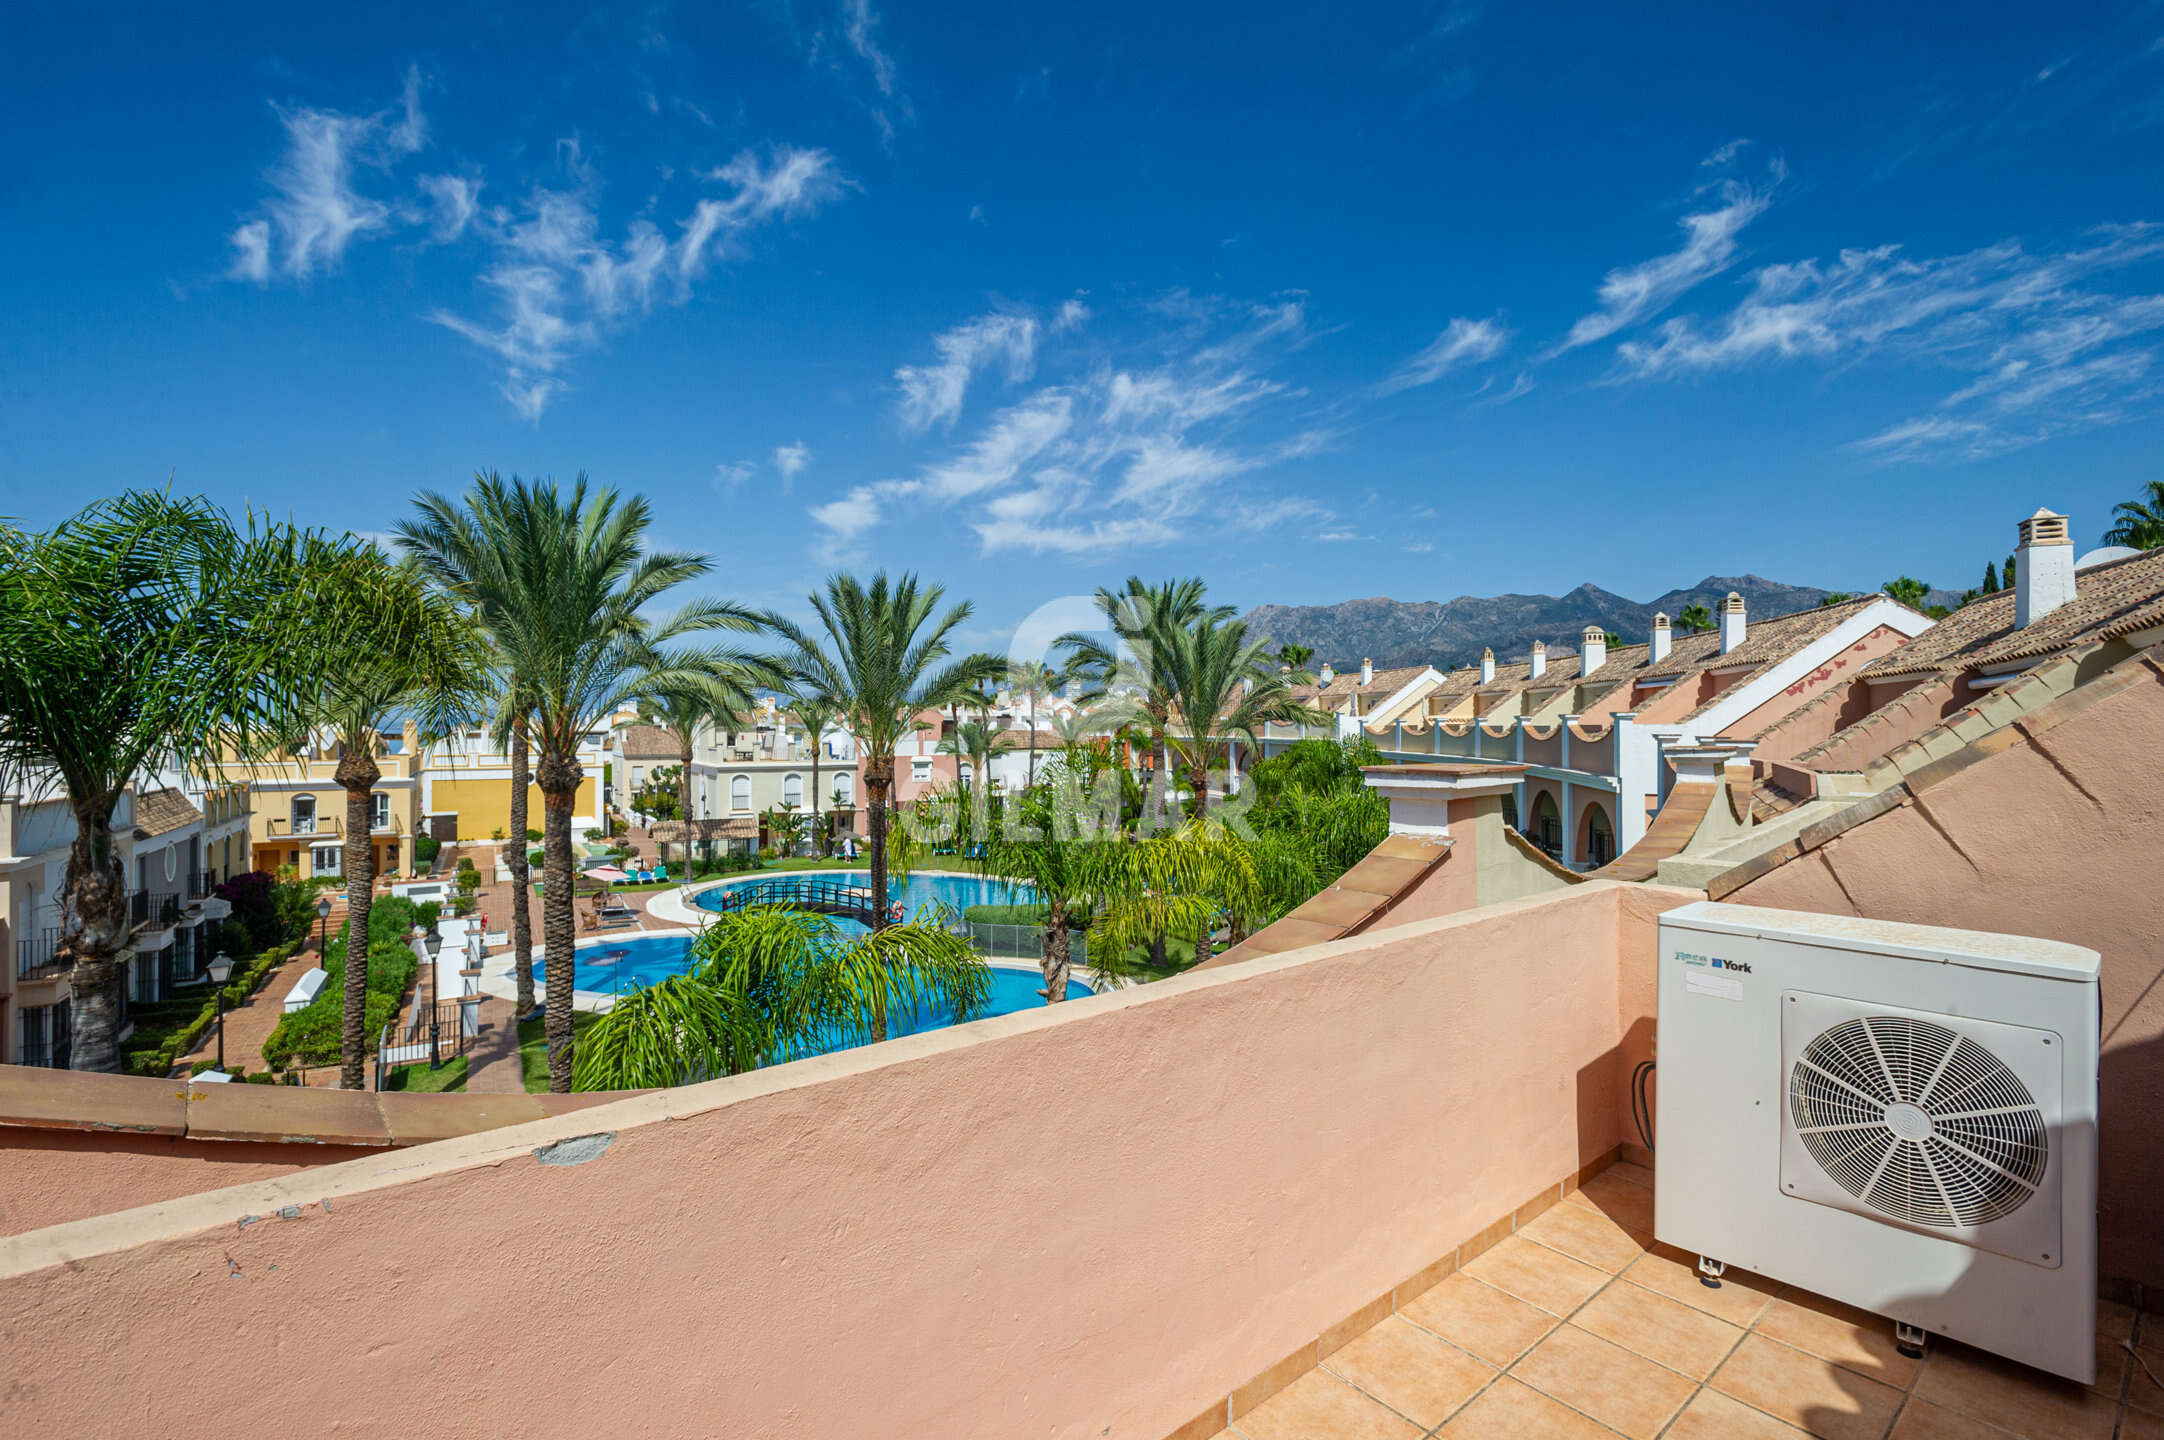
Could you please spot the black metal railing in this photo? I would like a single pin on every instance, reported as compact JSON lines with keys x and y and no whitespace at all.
{"x":827,"y":897}
{"x":47,"y":1034}
{"x":148,"y":908}
{"x":38,"y":956}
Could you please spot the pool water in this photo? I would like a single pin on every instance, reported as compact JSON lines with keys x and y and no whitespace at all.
{"x":913,"y":894}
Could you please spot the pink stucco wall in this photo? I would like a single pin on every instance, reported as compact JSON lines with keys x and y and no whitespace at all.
{"x":2058,"y":836}
{"x":1079,"y":1221}
{"x":48,"y":1176}
{"x":1836,"y":671}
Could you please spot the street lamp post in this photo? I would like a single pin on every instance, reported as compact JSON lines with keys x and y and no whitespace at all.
{"x":323,"y":920}
{"x":221,"y":970}
{"x":435,"y":1052}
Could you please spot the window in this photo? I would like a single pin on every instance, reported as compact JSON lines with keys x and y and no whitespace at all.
{"x":1547,"y":824}
{"x":920,"y":771}
{"x":42,"y":1035}
{"x":845,"y":790}
{"x":1599,"y":837}
{"x":967,"y":771}
{"x":326,"y":859}
{"x":304,"y":814}
{"x":739,"y":792}
{"x":379,"y":811}
{"x":143,"y":975}
{"x":792,"y":790}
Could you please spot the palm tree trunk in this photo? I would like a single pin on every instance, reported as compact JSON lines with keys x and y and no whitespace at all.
{"x":819,"y":835}
{"x":1031,"y":782}
{"x":878,"y":776}
{"x":1199,"y":777}
{"x":683,"y":799}
{"x":358,"y":773}
{"x":96,"y":904}
{"x":559,"y":777}
{"x":1058,"y":946}
{"x":521,"y":872}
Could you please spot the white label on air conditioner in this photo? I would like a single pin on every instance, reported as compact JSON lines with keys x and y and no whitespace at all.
{"x":1721,"y":987}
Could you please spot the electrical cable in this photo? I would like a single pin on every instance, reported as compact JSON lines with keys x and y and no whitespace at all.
{"x":1642,"y":1102}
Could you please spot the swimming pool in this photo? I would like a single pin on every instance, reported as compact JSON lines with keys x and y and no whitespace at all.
{"x":913,"y":894}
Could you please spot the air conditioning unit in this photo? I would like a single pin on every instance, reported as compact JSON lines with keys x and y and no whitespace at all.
{"x":1900,"y":1117}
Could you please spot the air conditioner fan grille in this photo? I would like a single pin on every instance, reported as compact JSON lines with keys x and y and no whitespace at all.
{"x":1917,"y":1122}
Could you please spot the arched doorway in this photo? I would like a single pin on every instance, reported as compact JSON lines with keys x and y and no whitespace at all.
{"x":1547,"y":824}
{"x":1599,"y":834}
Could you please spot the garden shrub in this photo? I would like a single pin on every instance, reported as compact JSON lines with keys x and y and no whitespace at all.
{"x":312,"y":1035}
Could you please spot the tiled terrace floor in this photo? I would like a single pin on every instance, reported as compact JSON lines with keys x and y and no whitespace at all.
{"x":1579,"y":1326}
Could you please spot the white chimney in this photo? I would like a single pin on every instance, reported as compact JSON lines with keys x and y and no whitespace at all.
{"x":2043,"y":567}
{"x":1539,"y":666}
{"x":1731,"y":622}
{"x":1487,"y":667}
{"x":1592,"y":649}
{"x":1325,"y":675}
{"x":1367,"y":672}
{"x":1661,"y":636}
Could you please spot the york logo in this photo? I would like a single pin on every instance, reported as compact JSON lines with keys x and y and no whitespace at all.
{"x":1736,"y":965}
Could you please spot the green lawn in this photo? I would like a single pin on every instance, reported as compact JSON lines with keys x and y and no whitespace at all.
{"x":533,"y":1049}
{"x":420,"y":1080}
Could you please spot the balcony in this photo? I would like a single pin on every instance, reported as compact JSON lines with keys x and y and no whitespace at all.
{"x":322,"y":827}
{"x":155,"y":910}
{"x":37,"y":957}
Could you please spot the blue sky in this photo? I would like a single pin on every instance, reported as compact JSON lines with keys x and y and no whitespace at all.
{"x":1317,"y":302}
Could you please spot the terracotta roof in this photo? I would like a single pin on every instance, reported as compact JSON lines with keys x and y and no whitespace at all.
{"x":648,"y":742}
{"x":1788,"y":634}
{"x":1346,"y":686}
{"x":1562,"y":669}
{"x":2109,"y":601}
{"x":160,"y":812}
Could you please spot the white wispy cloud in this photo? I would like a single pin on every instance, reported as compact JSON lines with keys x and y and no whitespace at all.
{"x":559,"y":286}
{"x":1463,"y":342}
{"x":2045,"y":350}
{"x":732,"y":473}
{"x":1105,"y":455}
{"x":789,"y":462}
{"x":860,"y":34}
{"x":453,"y":202}
{"x":315,"y":210}
{"x":1631,"y":293}
{"x":932,"y":394}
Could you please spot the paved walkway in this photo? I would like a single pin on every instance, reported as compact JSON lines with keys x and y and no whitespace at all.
{"x":492,"y":1061}
{"x":248,"y":1025}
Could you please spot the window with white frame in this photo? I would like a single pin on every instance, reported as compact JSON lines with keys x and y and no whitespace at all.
{"x":379,"y":810}
{"x":304,"y":814}
{"x":327,"y":859}
{"x":845,"y":790}
{"x":739,"y":792}
{"x":792,"y":790}
{"x":920,"y":771}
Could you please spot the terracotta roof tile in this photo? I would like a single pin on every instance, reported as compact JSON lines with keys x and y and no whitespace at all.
{"x":1346,"y":686}
{"x":160,"y":812}
{"x":2110,"y":600}
{"x":648,"y":742}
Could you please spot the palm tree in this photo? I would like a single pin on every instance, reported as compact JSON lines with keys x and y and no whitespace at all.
{"x":712,"y":699}
{"x":1222,"y":685}
{"x":2139,"y":523}
{"x":1908,"y":591}
{"x":1033,"y":681}
{"x":568,"y":576}
{"x":1295,"y":658}
{"x":883,"y":660}
{"x":142,"y":630}
{"x":429,"y":662}
{"x":1130,"y":673}
{"x":1694,"y":620}
{"x":977,"y":742}
{"x":769,"y":984}
{"x":819,"y":715}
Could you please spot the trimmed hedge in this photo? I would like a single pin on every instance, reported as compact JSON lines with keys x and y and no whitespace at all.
{"x":1005,"y":915}
{"x":313,"y":1035}
{"x":159,"y":1059}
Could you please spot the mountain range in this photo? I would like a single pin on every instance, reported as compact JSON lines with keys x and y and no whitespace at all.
{"x":1453,"y":632}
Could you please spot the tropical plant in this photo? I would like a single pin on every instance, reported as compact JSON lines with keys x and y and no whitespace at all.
{"x":1032,"y":682}
{"x":768,"y":984}
{"x":1127,"y":678}
{"x":144,"y":630}
{"x":883,"y":659}
{"x":661,"y":796}
{"x":1295,"y":658}
{"x":569,"y":576}
{"x":2139,"y":523}
{"x":818,"y":715}
{"x":1907,"y":590}
{"x":400,"y":647}
{"x":977,"y":742}
{"x":1695,"y":619}
{"x":1221,"y":686}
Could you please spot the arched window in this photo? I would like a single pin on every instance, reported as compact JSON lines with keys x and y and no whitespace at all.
{"x":792,"y":790}
{"x":739,"y":792}
{"x":304,"y":814}
{"x":1510,"y":812}
{"x":1547,"y":824}
{"x":845,"y":790}
{"x":1599,"y":835}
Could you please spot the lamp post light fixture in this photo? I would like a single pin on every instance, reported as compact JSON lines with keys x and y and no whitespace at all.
{"x":435,"y":1051}
{"x":323,"y":920}
{"x":221,"y":970}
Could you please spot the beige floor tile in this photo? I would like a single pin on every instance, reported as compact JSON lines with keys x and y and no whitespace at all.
{"x":1507,"y":1410}
{"x":2113,"y":1360}
{"x":1922,"y":1420}
{"x":2114,"y":1319}
{"x":1713,"y":1416}
{"x":1629,"y":1205}
{"x":1318,"y":1406}
{"x":1547,"y":1278}
{"x":2014,"y":1397}
{"x":1480,"y":1318}
{"x":1659,"y":1328}
{"x":1807,"y":1392}
{"x":1854,"y":1338}
{"x":2138,"y":1426}
{"x":1740,"y":1300}
{"x":1585,"y":1233}
{"x":1624,"y":1391}
{"x":1410,"y":1370}
{"x":2142,"y":1391}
